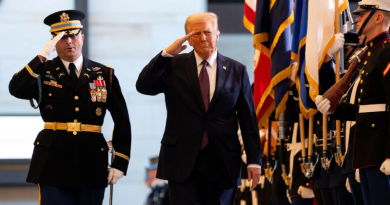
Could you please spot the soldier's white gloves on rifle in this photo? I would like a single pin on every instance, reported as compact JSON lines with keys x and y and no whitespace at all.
{"x":114,"y":175}
{"x":305,"y":193}
{"x":348,"y":186}
{"x":357,"y":175}
{"x":323,"y":105}
{"x":337,"y":45}
{"x":385,"y":168}
{"x":51,"y":46}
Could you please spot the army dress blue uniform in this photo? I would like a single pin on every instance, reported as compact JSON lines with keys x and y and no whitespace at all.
{"x":70,"y":154}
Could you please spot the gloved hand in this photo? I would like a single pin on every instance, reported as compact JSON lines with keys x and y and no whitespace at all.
{"x":288,"y":196}
{"x":348,"y":186}
{"x":114,"y":175}
{"x":385,"y":168}
{"x":357,"y":175}
{"x":51,"y":46}
{"x":305,"y":193}
{"x":337,"y":45}
{"x":323,"y":105}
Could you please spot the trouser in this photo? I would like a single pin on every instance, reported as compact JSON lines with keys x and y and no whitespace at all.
{"x":208,"y":184}
{"x":281,"y":199}
{"x":356,"y":189}
{"x":342,"y":196}
{"x":297,"y":200}
{"x":51,"y":195}
{"x":375,"y":186}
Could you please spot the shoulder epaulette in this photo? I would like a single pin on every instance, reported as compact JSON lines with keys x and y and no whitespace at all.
{"x":109,"y":67}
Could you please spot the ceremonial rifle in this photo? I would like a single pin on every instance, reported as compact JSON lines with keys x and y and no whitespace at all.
{"x":282,"y":149}
{"x":303,"y":147}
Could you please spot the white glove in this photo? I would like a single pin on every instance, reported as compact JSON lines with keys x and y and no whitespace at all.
{"x":323,"y":105}
{"x":348,"y":186}
{"x":243,"y":156}
{"x":114,"y":175}
{"x":357,"y":175}
{"x":51,"y":46}
{"x":288,"y":196}
{"x":385,"y":168}
{"x":337,"y":45}
{"x":305,"y":192}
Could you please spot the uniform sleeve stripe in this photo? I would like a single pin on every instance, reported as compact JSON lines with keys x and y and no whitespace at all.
{"x":122,"y":155}
{"x":31,"y":72}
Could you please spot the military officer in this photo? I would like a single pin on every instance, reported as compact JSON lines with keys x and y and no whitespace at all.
{"x":69,"y":161}
{"x":372,"y":140}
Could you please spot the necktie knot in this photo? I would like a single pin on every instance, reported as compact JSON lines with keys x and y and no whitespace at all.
{"x":204,"y":63}
{"x":72,"y":67}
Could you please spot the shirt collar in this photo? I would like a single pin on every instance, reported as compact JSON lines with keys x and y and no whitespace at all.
{"x":78,"y":63}
{"x":210,"y":60}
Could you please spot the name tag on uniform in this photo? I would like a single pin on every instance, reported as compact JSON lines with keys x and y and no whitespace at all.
{"x":52,"y":83}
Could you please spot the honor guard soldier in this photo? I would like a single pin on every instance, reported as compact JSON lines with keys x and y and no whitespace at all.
{"x":372,"y":141}
{"x":70,"y":157}
{"x":342,"y":174}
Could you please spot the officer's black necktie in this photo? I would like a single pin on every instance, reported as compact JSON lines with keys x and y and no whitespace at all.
{"x":73,"y":74}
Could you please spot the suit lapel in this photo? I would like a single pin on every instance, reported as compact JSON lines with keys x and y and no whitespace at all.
{"x":192,"y":75}
{"x":60,"y":73}
{"x":221,"y":77}
{"x":85,"y":75}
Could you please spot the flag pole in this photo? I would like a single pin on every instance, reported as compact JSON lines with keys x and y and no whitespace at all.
{"x":339,"y":155}
{"x":303,"y":147}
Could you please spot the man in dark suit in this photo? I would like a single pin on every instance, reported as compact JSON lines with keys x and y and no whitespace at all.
{"x":206,"y":95}
{"x":70,"y":157}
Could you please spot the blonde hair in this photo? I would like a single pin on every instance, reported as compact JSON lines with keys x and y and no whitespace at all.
{"x":202,"y":17}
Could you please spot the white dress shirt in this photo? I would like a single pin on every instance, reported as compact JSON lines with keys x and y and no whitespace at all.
{"x":212,"y":72}
{"x":78,"y":63}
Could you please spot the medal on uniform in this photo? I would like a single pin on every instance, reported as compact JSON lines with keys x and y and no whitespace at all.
{"x":92,"y":90}
{"x":98,"y":111}
{"x":98,"y":89}
{"x":104,"y":91}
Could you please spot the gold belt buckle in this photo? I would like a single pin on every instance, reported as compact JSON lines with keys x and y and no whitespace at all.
{"x":74,"y":127}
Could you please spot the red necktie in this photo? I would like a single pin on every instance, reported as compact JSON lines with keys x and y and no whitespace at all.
{"x":205,"y":90}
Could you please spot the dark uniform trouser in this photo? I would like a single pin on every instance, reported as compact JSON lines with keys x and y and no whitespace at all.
{"x":375,"y":186}
{"x":281,"y":199}
{"x":208,"y":184}
{"x":356,"y":189}
{"x":342,"y":196}
{"x":51,"y":195}
{"x":327,"y":196}
{"x":298,"y":200}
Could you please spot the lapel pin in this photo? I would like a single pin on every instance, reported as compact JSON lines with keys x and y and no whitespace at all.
{"x":86,"y":75}
{"x":61,"y":74}
{"x":224,"y":67}
{"x":58,"y":68}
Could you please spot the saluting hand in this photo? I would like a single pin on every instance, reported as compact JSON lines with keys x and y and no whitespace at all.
{"x":50,"y":47}
{"x":254,"y":175}
{"x":178,"y":46}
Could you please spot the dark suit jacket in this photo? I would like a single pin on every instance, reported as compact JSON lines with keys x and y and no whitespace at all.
{"x":187,"y":119}
{"x":61,"y":158}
